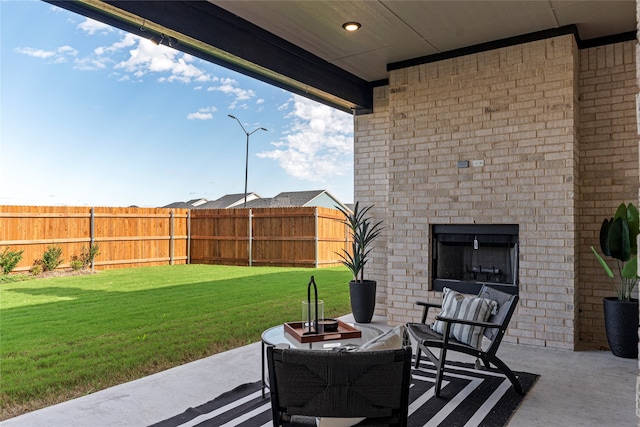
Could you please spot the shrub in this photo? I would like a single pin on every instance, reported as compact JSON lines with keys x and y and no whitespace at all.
{"x":52,"y":258}
{"x":36,"y":269}
{"x":88,"y":255}
{"x":75,"y":263}
{"x":9,"y":260}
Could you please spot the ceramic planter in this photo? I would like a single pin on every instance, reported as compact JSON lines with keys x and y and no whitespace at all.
{"x":621,"y":324}
{"x":363,"y":300}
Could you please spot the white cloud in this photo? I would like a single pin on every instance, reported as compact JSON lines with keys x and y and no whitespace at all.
{"x":319,"y":144}
{"x":58,"y":56}
{"x":137,"y":57}
{"x":230,"y":87}
{"x":239,"y":93}
{"x":36,"y":53}
{"x":91,"y":27}
{"x":127,"y":41}
{"x":205,"y":113}
{"x":148,"y":58}
{"x":200,"y":116}
{"x":67,"y":50}
{"x":89,"y":64}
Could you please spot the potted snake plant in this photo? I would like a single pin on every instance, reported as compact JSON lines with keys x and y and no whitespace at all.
{"x":618,"y":241}
{"x":362,"y":232}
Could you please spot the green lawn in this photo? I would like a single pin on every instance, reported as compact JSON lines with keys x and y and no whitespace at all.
{"x":68,"y":336}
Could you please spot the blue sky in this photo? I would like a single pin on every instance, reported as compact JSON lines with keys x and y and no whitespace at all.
{"x":93,"y":116}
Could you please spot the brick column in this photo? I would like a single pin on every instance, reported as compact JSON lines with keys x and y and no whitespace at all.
{"x":638,"y":125}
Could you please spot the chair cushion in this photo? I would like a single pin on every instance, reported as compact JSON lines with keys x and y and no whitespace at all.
{"x":390,"y":340}
{"x":460,"y":306}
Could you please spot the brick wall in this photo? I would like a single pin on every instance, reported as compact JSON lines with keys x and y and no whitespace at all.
{"x":371,"y":183}
{"x":637,"y":106}
{"x":608,"y":167}
{"x":517,"y":108}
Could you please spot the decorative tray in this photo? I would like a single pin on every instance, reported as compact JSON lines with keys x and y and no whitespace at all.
{"x":297,"y":330}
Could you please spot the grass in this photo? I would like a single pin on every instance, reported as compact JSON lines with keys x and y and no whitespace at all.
{"x":64,"y":337}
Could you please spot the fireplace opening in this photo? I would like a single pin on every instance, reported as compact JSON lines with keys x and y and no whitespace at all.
{"x":465,"y":257}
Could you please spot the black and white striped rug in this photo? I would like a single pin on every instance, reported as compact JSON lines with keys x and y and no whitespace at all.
{"x":470,"y":398}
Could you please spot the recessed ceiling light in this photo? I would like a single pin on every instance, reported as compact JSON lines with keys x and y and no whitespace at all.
{"x":351,"y":26}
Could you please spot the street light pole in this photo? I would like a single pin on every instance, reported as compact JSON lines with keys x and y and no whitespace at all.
{"x":246,"y":166}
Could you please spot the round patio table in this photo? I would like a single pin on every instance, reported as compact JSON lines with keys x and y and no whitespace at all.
{"x":276,"y":335}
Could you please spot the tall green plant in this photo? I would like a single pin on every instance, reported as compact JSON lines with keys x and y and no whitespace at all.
{"x":362,"y":232}
{"x":618,"y":241}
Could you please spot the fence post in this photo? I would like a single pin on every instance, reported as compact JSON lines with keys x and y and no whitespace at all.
{"x":171,"y":240}
{"x":316,"y":237}
{"x":189,"y":236}
{"x":250,"y":237}
{"x":92,"y":236}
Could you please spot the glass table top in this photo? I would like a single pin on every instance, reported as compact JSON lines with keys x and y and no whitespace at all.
{"x":277,"y":335}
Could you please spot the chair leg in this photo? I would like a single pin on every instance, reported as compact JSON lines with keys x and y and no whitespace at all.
{"x":418,"y":354}
{"x":506,"y":371}
{"x":441,"y":361}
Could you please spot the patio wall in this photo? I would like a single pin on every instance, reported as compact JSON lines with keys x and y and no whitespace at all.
{"x":546,"y":168}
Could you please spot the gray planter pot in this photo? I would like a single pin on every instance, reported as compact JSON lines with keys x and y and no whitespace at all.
{"x":363,"y":300}
{"x":621,"y":324}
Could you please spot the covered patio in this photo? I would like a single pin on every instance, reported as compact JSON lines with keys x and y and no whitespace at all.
{"x":517,"y":113}
{"x":585,"y":388}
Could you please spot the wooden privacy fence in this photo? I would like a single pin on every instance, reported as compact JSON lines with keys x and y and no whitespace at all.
{"x":286,"y":237}
{"x":127,"y":237}
{"x":132,"y":237}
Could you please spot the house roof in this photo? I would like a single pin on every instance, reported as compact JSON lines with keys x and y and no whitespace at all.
{"x":302,"y":47}
{"x":297,"y":198}
{"x":197,"y":202}
{"x":284,"y":199}
{"x":178,"y":205}
{"x":227,"y":201}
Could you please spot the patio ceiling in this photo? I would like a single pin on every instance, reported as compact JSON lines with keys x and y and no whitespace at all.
{"x":302,"y":47}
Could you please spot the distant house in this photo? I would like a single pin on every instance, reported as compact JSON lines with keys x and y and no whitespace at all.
{"x":320,"y":198}
{"x":179,"y":205}
{"x":197,"y":202}
{"x":229,"y":201}
{"x":191,"y":204}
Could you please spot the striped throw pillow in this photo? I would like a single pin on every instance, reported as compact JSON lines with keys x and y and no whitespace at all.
{"x":459,"y":306}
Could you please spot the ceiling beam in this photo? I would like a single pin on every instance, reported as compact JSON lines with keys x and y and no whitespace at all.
{"x":211,"y":33}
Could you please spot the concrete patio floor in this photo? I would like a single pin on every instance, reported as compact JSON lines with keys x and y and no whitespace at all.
{"x":587,"y":388}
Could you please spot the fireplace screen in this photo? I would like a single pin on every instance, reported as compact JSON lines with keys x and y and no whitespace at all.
{"x":467,"y":256}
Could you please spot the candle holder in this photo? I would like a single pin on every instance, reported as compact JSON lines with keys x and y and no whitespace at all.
{"x":311,"y":318}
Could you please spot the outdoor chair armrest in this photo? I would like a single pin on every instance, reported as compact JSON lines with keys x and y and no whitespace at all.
{"x":426,"y":306}
{"x":468,"y":322}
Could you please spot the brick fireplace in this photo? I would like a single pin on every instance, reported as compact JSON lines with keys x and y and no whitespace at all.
{"x":464,"y":257}
{"x":539,"y":134}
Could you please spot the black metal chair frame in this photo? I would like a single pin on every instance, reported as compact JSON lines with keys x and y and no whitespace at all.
{"x":320,"y":383}
{"x":495,"y":328}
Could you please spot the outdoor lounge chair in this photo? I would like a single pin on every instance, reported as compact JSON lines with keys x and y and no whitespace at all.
{"x":305,"y":384}
{"x":495,"y":328}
